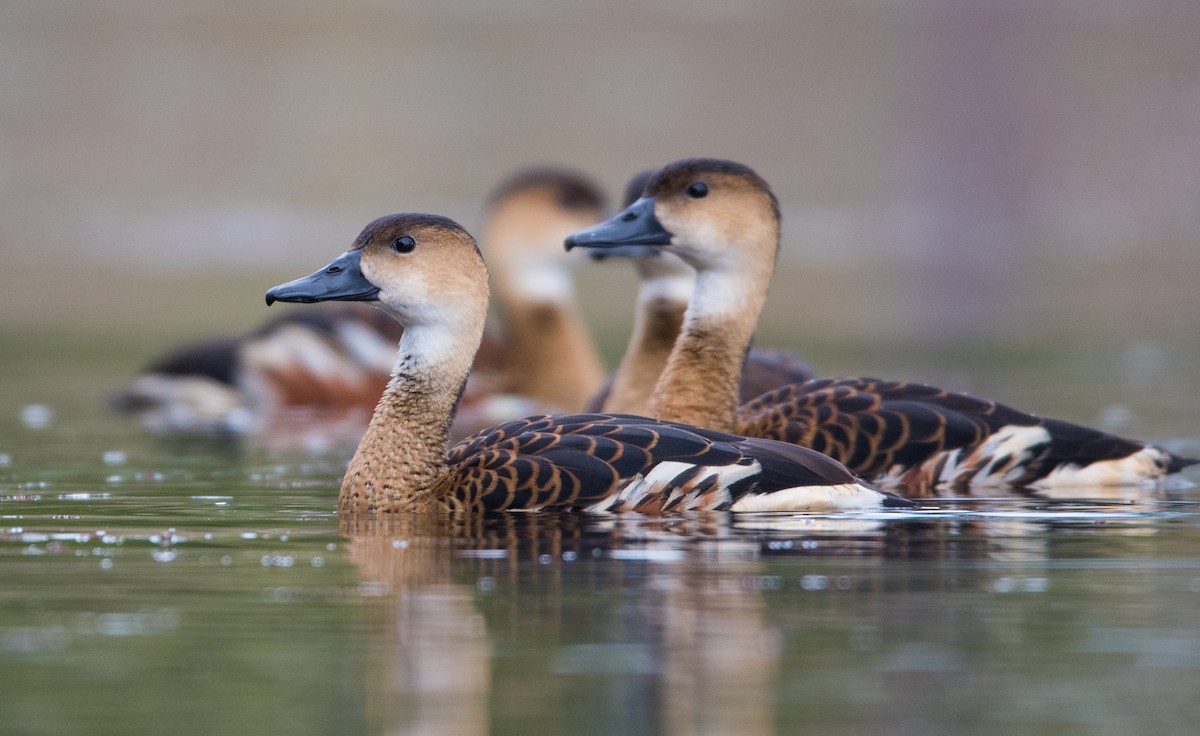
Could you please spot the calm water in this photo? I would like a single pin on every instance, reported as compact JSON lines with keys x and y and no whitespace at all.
{"x":149,"y":586}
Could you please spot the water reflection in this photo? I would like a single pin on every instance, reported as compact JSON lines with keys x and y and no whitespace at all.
{"x":670,"y":618}
{"x":428,"y":668}
{"x":690,"y":650}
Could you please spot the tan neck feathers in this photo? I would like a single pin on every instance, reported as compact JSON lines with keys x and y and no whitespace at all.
{"x":655,"y":330}
{"x":402,"y":455}
{"x":700,"y":383}
{"x":550,"y":355}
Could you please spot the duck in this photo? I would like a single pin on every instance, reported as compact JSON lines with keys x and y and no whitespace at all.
{"x":338,"y":359}
{"x":665,"y":285}
{"x":724,"y":220}
{"x":331,"y":360}
{"x":548,"y":354}
{"x":427,"y":272}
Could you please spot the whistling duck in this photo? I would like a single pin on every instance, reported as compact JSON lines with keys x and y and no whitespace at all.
{"x":427,"y":273}
{"x":664,"y":289}
{"x":339,"y":359}
{"x":548,"y":354}
{"x":331,"y":359}
{"x":723,"y":219}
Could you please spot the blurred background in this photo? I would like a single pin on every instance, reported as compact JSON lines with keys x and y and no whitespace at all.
{"x":1016,"y":171}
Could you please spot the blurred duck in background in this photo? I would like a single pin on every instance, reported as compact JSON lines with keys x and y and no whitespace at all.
{"x":723,"y":219}
{"x":330,"y":364}
{"x":665,"y":284}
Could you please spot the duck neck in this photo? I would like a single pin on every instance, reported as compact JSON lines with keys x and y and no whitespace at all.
{"x":403,"y":453}
{"x":700,"y":383}
{"x":550,"y":355}
{"x":662,"y":301}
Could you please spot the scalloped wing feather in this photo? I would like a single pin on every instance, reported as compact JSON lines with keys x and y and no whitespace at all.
{"x":625,"y":463}
{"x":922,"y":436}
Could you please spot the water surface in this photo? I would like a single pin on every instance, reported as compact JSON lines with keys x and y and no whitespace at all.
{"x":207,"y":586}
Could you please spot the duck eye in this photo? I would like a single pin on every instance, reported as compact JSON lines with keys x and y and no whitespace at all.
{"x":404,"y":244}
{"x":697,"y":190}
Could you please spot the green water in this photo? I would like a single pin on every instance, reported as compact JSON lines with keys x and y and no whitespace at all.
{"x":152,"y":586}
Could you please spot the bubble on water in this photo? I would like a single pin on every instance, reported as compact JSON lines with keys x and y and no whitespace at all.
{"x":330,"y":547}
{"x":5,"y":460}
{"x":248,"y":535}
{"x":400,"y":544}
{"x":277,"y":560}
{"x":568,"y":556}
{"x":106,"y":563}
{"x":32,"y":639}
{"x":318,"y":561}
{"x":486,"y":585}
{"x":164,"y":555}
{"x":115,"y":457}
{"x":37,"y":416}
{"x":544,"y":559}
{"x":227,"y":560}
{"x":814,"y":582}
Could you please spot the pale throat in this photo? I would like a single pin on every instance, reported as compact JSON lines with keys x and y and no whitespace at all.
{"x":676,"y":288}
{"x":536,"y":279}
{"x":732,"y":297}
{"x":405,"y":445}
{"x":699,"y":385}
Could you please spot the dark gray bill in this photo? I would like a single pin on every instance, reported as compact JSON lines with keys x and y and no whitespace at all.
{"x":342,"y":280}
{"x":624,"y":251}
{"x":637,"y":225}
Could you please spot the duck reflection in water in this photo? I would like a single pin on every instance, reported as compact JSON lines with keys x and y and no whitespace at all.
{"x":668,"y":616}
{"x":695,"y":624}
{"x":429,"y":669}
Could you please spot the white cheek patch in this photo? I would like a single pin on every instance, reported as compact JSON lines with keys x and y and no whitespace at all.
{"x":429,"y":344}
{"x":675,"y":288}
{"x":542,"y":280}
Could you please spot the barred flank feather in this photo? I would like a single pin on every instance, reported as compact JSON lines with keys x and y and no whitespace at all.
{"x":921,"y":436}
{"x":616,"y":462}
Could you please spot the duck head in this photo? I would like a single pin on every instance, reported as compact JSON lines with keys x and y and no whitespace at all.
{"x":713,"y":213}
{"x":526,"y":219}
{"x":421,"y":269}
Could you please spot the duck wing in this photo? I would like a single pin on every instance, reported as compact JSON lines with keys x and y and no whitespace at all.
{"x":921,"y":435}
{"x":614,"y":462}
